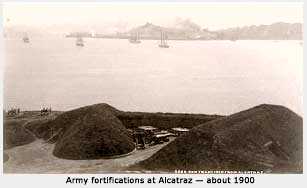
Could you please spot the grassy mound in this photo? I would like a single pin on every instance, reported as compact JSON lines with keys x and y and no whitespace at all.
{"x":15,"y":134}
{"x":90,"y":132}
{"x":46,"y":128}
{"x":5,"y":157}
{"x":266,"y":137}
{"x":164,"y":120}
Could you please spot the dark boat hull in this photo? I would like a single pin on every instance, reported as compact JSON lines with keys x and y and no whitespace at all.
{"x":135,"y":41}
{"x":163,"y":46}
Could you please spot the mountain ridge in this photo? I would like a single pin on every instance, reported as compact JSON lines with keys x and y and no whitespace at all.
{"x":190,"y":30}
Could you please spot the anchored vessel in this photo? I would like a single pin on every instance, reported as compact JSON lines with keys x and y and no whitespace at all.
{"x":79,"y":42}
{"x":26,"y":39}
{"x":135,"y":38}
{"x":163,"y":41}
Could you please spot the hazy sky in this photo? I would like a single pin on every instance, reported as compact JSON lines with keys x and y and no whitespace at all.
{"x":207,"y":15}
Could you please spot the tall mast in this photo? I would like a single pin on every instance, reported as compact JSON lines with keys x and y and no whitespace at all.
{"x":163,"y":34}
{"x":161,"y":37}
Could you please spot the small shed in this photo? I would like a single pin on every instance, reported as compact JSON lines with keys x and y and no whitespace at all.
{"x":162,"y":136}
{"x":147,"y":128}
{"x":179,"y":131}
{"x":148,"y":131}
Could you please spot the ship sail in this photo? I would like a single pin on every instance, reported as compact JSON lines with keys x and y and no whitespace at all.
{"x":163,"y":40}
{"x":25,"y":38}
{"x":79,"y":42}
{"x":135,"y":38}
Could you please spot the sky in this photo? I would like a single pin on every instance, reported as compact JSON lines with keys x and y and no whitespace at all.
{"x":126,"y":15}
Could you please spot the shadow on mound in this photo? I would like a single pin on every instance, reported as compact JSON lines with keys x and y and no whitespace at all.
{"x":89,"y":132}
{"x":99,"y":130}
{"x":5,"y":157}
{"x":15,"y":134}
{"x":266,"y":137}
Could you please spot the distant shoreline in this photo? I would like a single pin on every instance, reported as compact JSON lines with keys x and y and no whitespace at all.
{"x":181,"y":39}
{"x":191,"y":31}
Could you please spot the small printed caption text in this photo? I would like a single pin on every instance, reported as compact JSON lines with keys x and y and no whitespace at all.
{"x":160,"y":180}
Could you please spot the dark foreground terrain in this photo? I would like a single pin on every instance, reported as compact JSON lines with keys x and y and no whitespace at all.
{"x":14,"y":131}
{"x":266,"y":137}
{"x":15,"y":134}
{"x":100,"y":130}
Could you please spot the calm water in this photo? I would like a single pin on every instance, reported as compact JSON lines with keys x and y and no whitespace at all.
{"x":191,"y":76}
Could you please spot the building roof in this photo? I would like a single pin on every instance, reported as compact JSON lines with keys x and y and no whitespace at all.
{"x":149,"y":128}
{"x":163,"y":135}
{"x":180,"y":129}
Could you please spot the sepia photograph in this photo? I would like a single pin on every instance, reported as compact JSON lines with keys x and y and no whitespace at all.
{"x":152,"y":88}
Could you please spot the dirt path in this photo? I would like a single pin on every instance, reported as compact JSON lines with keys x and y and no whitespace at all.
{"x":28,"y":131}
{"x":37,"y":157}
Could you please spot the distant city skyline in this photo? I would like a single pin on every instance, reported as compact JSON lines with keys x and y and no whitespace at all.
{"x":127,"y":15}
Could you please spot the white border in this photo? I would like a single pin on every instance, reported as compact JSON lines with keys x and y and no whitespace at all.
{"x":39,"y":181}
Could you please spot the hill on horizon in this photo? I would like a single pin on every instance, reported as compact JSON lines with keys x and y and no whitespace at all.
{"x":186,"y":29}
{"x":183,"y":29}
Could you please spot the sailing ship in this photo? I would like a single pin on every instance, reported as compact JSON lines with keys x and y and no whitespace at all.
{"x":26,"y":39}
{"x":79,"y":42}
{"x":163,"y":41}
{"x":233,"y":38}
{"x":135,"y":39}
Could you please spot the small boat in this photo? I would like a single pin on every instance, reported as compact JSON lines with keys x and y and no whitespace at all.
{"x":233,"y":39}
{"x":26,"y":39}
{"x":163,"y":41}
{"x":135,"y":39}
{"x":79,"y":42}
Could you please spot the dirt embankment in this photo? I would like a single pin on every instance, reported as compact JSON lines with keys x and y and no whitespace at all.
{"x":266,"y":137}
{"x":163,"y":120}
{"x":15,"y":134}
{"x":100,"y":130}
{"x":89,"y":132}
{"x":96,"y":133}
{"x":5,"y":157}
{"x":44,"y":128}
